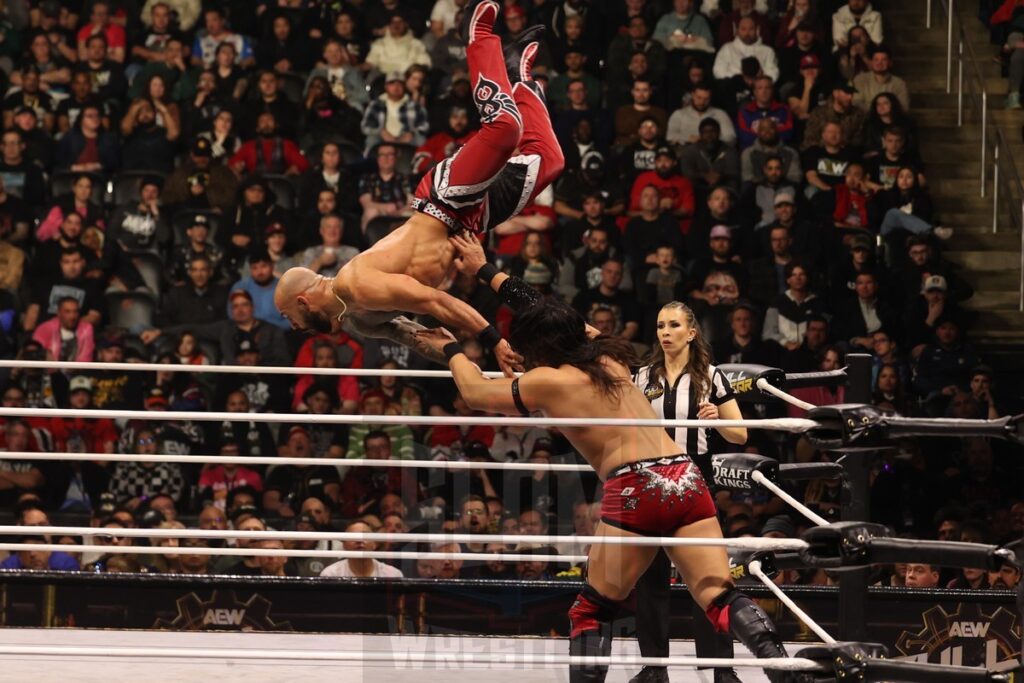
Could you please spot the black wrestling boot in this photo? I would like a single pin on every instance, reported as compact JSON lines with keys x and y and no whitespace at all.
{"x":519,"y":55}
{"x":651,"y":674}
{"x":749,"y":624}
{"x":726,"y":676}
{"x":478,"y":17}
{"x":594,"y":643}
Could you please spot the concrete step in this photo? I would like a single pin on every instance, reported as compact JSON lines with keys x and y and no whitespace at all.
{"x":987,"y":281}
{"x":977,"y":207}
{"x":995,"y":85}
{"x":982,"y":239}
{"x":1001,"y":324}
{"x":978,"y":260}
{"x":956,"y":218}
{"x":993,"y":300}
{"x":967,"y":188}
{"x":969,"y":134}
{"x":947,"y":168}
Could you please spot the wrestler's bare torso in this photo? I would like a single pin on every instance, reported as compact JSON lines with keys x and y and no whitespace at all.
{"x":569,"y":392}
{"x":418,"y":248}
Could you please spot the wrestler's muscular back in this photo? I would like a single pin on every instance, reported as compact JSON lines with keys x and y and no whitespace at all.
{"x":419,"y":248}
{"x":572,"y":394}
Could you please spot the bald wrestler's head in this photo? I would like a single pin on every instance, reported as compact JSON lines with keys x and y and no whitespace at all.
{"x":300,"y":301}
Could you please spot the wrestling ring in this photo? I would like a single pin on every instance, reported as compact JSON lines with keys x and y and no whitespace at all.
{"x":823,"y":653}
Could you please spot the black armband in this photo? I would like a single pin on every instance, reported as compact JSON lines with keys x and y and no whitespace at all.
{"x":486,"y":273}
{"x":451,"y":350}
{"x":489,"y":337}
{"x":517,"y":295}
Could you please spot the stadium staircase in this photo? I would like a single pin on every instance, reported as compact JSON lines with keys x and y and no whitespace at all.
{"x":990,"y":261}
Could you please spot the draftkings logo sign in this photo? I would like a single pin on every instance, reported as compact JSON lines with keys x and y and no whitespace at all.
{"x":968,"y":636}
{"x":223,"y":612}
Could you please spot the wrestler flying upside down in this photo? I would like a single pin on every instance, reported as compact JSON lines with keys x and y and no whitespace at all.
{"x":650,"y":488}
{"x":513,"y":157}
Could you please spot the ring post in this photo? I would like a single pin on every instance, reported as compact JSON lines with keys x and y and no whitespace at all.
{"x":853,"y":585}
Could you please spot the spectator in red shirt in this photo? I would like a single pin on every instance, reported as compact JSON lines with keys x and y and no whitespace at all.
{"x":452,"y":439}
{"x":330,"y":351}
{"x":82,"y":435}
{"x":443,"y":144}
{"x":269,"y":152}
{"x":216,"y":481}
{"x":852,"y":197}
{"x":676,"y":190}
{"x":100,"y":23}
{"x":364,"y":487}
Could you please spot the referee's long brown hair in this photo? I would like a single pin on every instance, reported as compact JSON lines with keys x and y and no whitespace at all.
{"x":700,"y":354}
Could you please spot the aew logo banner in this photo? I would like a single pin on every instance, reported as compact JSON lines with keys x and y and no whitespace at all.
{"x":223,"y":612}
{"x":965,"y":637}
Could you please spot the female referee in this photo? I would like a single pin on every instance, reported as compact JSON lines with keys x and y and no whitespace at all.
{"x":681,"y":383}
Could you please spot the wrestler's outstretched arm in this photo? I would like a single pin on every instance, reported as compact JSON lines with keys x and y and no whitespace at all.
{"x":510,"y":289}
{"x":398,"y":292}
{"x":537,"y":389}
{"x":400,"y":330}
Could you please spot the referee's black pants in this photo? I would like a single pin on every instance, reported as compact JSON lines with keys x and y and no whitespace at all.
{"x":652,"y":605}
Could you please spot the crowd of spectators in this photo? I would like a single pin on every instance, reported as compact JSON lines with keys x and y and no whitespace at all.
{"x":164,"y":162}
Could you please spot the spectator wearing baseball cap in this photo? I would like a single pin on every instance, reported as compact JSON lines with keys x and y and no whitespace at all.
{"x":79,"y":435}
{"x":676,"y":190}
{"x":199,"y":182}
{"x":840,"y":110}
{"x":260,"y":283}
{"x":241,"y":319}
{"x":927,"y":309}
{"x":394,"y":110}
{"x":710,"y":162}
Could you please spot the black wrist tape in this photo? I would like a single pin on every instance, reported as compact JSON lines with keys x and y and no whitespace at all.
{"x":486,"y":273}
{"x":451,"y":350}
{"x":489,"y":337}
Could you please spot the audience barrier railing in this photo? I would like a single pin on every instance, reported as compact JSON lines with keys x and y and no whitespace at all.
{"x":1007,"y":190}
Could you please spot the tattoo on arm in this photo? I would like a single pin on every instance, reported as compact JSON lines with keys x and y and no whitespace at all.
{"x":400,"y":330}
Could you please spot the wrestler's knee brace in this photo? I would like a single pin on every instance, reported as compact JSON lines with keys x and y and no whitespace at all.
{"x":590,"y":635}
{"x":734,"y":612}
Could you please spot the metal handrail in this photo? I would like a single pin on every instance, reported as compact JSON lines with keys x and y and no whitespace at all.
{"x":1002,"y":155}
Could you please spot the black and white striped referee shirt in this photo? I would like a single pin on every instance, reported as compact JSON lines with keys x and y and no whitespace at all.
{"x":678,"y":402}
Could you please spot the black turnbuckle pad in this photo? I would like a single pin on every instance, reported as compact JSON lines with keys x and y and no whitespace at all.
{"x":743,"y":378}
{"x":739,"y":565}
{"x":841,"y":545}
{"x":734,"y":471}
{"x":844,"y":661}
{"x":848,"y":427}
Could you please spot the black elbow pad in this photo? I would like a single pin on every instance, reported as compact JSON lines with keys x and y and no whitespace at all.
{"x":516,"y":294}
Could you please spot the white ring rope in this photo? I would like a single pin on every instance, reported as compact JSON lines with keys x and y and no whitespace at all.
{"x":748,"y":544}
{"x":781,"y":493}
{"x":282,"y":460}
{"x":755,"y":570}
{"x":786,"y":424}
{"x":227,"y":369}
{"x":407,"y":657}
{"x":285,"y":552}
{"x":765,"y":385}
